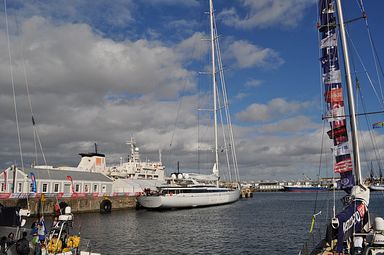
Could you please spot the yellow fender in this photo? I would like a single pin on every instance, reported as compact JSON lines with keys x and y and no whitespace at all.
{"x":73,"y":241}
{"x":54,"y":245}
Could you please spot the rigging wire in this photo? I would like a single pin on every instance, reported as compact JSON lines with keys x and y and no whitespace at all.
{"x":13,"y":84}
{"x":378,"y":65}
{"x":227,"y":113}
{"x":36,"y":137}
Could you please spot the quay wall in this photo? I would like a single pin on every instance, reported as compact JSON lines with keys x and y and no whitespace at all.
{"x":46,"y":203}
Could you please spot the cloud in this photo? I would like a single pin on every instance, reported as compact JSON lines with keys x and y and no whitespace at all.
{"x":272,"y":110}
{"x":241,"y":96}
{"x":253,"y":83}
{"x":266,"y":13}
{"x":249,"y":55}
{"x":294,"y":124}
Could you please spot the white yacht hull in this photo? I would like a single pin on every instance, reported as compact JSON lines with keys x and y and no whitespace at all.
{"x":189,"y":200}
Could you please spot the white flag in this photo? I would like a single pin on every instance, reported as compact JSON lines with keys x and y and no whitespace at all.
{"x":335,"y":114}
{"x":333,"y":76}
{"x":341,"y":149}
{"x":328,"y":41}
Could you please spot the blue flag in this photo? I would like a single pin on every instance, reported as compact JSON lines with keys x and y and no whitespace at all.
{"x":33,"y":179}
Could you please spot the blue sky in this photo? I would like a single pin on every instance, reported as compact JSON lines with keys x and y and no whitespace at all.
{"x":103,"y":71}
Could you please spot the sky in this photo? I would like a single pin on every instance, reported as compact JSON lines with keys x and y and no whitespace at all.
{"x":105,"y":71}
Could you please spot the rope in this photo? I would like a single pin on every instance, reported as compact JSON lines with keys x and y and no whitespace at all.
{"x":13,"y":84}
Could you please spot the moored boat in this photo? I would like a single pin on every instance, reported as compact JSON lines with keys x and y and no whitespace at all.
{"x":195,"y":190}
{"x":187,"y":192}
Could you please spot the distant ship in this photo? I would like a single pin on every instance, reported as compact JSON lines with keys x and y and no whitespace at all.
{"x":305,"y":187}
{"x":134,"y":168}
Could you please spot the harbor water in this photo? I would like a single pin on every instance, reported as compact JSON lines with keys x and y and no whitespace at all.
{"x":268,"y":223}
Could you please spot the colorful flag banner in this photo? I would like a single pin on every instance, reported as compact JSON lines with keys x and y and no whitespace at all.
{"x":343,"y":166}
{"x":341,"y":131}
{"x":347,"y":181}
{"x":33,"y":179}
{"x":329,"y":41}
{"x":378,"y":124}
{"x":341,"y":149}
{"x":334,"y":95}
{"x":332,"y":76}
{"x":335,"y":114}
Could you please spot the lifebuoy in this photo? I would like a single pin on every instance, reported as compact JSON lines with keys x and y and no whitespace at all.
{"x":106,"y":206}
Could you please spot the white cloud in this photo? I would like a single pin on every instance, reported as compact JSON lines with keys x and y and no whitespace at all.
{"x":272,"y":110}
{"x":294,"y":124}
{"x":253,"y":83}
{"x":266,"y":13}
{"x":249,"y":55}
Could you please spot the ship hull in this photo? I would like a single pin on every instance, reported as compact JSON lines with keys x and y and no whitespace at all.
{"x":304,"y":189}
{"x":189,"y":200}
{"x":376,"y":187}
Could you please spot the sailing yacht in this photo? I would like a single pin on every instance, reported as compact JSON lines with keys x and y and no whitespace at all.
{"x":196,"y":190}
{"x":349,"y":231}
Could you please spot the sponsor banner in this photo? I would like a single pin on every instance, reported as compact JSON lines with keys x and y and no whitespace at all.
{"x":343,"y":166}
{"x":334,"y":95}
{"x":14,"y":195}
{"x":5,"y":195}
{"x":331,"y":77}
{"x":341,"y":149}
{"x":347,"y":181}
{"x":351,"y":220}
{"x":33,"y":180}
{"x":335,"y":114}
{"x":329,"y":41}
{"x":338,"y":124}
{"x":341,"y":131}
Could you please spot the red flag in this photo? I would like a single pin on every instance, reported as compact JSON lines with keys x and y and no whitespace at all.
{"x":334,"y":95}
{"x":343,"y":166}
{"x":341,"y":131}
{"x":70,"y":179}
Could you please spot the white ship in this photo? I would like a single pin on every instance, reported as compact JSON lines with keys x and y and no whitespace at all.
{"x":135,"y":168}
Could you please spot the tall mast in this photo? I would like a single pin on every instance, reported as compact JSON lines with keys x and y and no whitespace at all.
{"x":351,"y":101}
{"x":216,"y":168}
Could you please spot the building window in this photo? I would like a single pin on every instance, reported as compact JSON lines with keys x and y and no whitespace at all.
{"x":56,"y":188}
{"x":2,"y":186}
{"x":104,"y":188}
{"x":77,"y":187}
{"x":19,"y":186}
{"x":67,"y":188}
{"x":45,"y":188}
{"x":86,"y":188}
{"x":95,"y":188}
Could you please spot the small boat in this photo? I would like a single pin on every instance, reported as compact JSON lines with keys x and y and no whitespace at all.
{"x":195,"y":190}
{"x":377,"y":187}
{"x":60,"y":240}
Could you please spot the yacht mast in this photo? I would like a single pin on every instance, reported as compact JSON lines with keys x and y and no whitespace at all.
{"x":216,"y":166}
{"x":351,"y":101}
